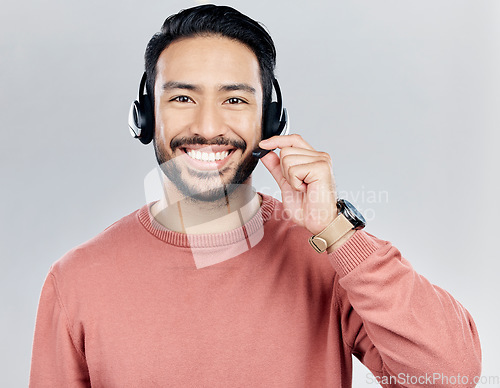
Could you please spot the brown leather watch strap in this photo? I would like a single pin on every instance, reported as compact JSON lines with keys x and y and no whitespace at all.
{"x":331,"y":234}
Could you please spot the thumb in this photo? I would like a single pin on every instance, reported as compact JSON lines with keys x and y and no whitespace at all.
{"x":272,"y":162}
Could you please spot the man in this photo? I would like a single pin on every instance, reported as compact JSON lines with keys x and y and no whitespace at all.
{"x":216,"y":285}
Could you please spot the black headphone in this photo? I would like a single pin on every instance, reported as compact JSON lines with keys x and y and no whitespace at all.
{"x":141,"y":118}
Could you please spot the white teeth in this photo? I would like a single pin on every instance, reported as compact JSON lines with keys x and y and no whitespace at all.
{"x":207,"y":156}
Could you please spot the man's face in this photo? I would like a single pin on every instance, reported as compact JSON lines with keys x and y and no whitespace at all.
{"x":208,"y":112}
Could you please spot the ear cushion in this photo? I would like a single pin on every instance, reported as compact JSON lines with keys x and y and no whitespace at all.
{"x":146,"y":120}
{"x":272,"y":121}
{"x":133,"y":119}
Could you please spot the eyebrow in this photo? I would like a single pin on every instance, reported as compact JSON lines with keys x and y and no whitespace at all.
{"x":233,"y":87}
{"x":223,"y":88}
{"x":179,"y":85}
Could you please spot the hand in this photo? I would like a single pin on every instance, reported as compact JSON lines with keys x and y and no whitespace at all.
{"x":305,"y":177}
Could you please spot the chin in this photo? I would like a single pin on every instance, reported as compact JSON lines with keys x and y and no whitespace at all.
{"x":212,"y":195}
{"x":205,"y":186}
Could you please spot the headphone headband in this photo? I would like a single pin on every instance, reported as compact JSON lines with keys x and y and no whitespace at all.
{"x":141,"y":94}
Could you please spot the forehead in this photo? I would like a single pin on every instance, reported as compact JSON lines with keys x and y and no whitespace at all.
{"x":208,"y":60}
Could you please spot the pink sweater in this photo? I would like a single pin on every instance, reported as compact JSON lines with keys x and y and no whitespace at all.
{"x":141,"y":306}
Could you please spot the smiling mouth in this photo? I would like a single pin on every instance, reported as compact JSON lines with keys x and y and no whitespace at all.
{"x":211,"y":156}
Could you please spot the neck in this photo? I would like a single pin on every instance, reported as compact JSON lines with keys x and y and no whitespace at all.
{"x":186,"y":215}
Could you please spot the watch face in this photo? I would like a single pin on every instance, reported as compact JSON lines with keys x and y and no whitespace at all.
{"x":352,"y":214}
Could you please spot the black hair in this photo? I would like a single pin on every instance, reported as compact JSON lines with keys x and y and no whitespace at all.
{"x":210,"y":19}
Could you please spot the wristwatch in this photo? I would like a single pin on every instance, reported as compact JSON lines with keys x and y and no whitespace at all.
{"x":348,"y":218}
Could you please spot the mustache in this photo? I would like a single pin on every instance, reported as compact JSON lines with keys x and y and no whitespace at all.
{"x":179,"y":142}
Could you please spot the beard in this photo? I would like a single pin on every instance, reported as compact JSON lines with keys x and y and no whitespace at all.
{"x":202,"y":190}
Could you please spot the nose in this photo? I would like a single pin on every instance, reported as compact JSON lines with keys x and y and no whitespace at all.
{"x":208,"y":122}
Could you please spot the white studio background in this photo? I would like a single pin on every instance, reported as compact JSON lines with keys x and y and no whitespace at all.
{"x":404,"y":95}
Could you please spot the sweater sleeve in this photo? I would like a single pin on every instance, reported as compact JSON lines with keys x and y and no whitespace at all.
{"x":407,"y":331}
{"x":55,"y":361}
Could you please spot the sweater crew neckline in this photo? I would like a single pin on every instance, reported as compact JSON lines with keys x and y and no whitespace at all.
{"x":208,"y":240}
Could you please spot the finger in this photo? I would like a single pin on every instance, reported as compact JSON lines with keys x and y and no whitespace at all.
{"x":290,"y":151}
{"x":302,"y":175}
{"x":272,"y":162}
{"x":290,"y":160}
{"x":285,"y":141}
{"x":302,"y":151}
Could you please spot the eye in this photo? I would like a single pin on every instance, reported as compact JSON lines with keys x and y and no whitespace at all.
{"x":235,"y":100}
{"x":181,"y":99}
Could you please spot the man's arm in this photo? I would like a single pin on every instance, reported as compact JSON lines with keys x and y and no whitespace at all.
{"x":55,"y":361}
{"x":394,"y":320}
{"x":397,"y":323}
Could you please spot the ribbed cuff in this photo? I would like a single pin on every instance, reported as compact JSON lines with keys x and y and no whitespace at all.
{"x":352,"y":253}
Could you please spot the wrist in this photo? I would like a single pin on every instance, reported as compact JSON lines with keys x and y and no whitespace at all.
{"x":332,"y":248}
{"x":339,"y":230}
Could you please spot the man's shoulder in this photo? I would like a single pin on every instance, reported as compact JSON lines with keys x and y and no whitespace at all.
{"x":118,"y":237}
